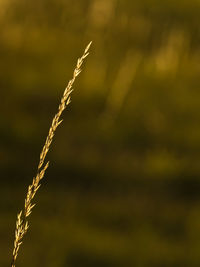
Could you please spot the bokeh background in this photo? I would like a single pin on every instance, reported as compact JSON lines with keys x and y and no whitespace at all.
{"x":123,"y":186}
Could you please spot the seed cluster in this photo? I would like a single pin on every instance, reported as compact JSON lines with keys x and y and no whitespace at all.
{"x":22,"y":223}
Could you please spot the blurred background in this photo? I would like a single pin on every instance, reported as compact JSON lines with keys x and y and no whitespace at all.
{"x":123,"y":186}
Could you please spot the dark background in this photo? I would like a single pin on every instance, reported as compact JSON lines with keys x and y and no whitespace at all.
{"x":123,"y":186}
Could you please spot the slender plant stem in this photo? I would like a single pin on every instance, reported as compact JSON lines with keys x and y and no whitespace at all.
{"x":22,"y":223}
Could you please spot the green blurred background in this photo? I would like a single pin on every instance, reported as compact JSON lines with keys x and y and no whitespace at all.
{"x":123,"y":186}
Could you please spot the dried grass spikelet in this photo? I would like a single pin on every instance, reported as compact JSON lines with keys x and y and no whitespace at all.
{"x":22,"y":223}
